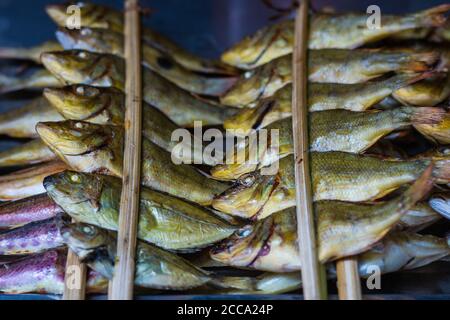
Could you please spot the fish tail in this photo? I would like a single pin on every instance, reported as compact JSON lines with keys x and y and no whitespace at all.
{"x":236,"y":283}
{"x":428,"y":115}
{"x":441,"y":171}
{"x":421,"y":62}
{"x":441,"y":205}
{"x":434,"y":17}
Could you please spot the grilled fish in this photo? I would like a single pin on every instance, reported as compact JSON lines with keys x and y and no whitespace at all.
{"x":36,"y":79}
{"x":92,"y":148}
{"x":325,"y":66}
{"x":31,"y":238}
{"x":165,"y":221}
{"x":32,"y":152}
{"x":322,"y":96}
{"x":20,"y":122}
{"x":106,"y":106}
{"x":335,"y":176}
{"x":343,"y":229}
{"x":83,"y":67}
{"x":155,"y":268}
{"x":27,"y":182}
{"x":336,"y":130}
{"x":28,"y":210}
{"x":43,"y":273}
{"x":344,"y":31}
{"x":33,"y":53}
{"x":106,"y":41}
{"x":98,"y":16}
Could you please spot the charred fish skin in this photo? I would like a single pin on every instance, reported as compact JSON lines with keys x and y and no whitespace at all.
{"x":92,"y":148}
{"x":29,"y":153}
{"x":83,"y":67}
{"x":28,"y":210}
{"x":326,"y":66}
{"x":20,"y":122}
{"x":106,"y":41}
{"x":34,"y":237}
{"x":165,"y":221}
{"x":27,"y":182}
{"x":103,"y":17}
{"x":328,"y":31}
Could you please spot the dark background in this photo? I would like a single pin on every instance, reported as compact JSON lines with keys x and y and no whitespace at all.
{"x":206,"y":27}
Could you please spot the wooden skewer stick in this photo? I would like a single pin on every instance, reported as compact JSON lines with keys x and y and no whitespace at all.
{"x":75,"y":278}
{"x":123,"y":281}
{"x":349,"y":282}
{"x":313,"y":286}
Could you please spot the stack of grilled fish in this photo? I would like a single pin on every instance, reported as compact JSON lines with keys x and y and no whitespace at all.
{"x":372,"y":198}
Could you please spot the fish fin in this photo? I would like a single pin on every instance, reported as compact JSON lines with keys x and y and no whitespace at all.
{"x":441,"y":206}
{"x":441,"y":171}
{"x":237,"y":283}
{"x":421,"y":62}
{"x":428,"y":115}
{"x":434,"y":16}
{"x":420,"y":188}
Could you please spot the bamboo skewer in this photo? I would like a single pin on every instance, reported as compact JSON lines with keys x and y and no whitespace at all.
{"x":123,"y":281}
{"x":349,"y":282}
{"x":75,"y":278}
{"x":313,"y":286}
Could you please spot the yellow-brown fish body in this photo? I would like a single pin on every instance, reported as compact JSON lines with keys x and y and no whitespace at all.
{"x":33,"y":53}
{"x":27,"y":182}
{"x":343,"y":229}
{"x":322,"y":96}
{"x":95,"y":148}
{"x":83,"y":67}
{"x":106,"y":106}
{"x":32,"y":152}
{"x":165,"y":221}
{"x":325,"y":66}
{"x":335,"y":130}
{"x":103,"y":17}
{"x":20,"y":122}
{"x":106,"y":41}
{"x":327,"y":31}
{"x":335,"y":176}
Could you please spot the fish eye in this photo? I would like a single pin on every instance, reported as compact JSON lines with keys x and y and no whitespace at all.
{"x":244,"y":232}
{"x":75,"y":178}
{"x":80,"y":90}
{"x":82,"y":54}
{"x":86,"y":31}
{"x":89,"y":230}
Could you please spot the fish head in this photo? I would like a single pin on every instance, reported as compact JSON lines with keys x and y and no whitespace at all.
{"x":78,"y":194}
{"x":91,"y":39}
{"x":83,"y":239}
{"x":72,"y":138}
{"x":83,"y":102}
{"x":244,"y":246}
{"x":85,"y":67}
{"x":91,"y":15}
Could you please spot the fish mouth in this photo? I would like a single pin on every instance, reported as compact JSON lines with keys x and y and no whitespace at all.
{"x":56,"y":97}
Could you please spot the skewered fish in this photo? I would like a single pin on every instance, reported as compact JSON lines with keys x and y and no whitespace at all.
{"x":165,"y":221}
{"x":92,"y":148}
